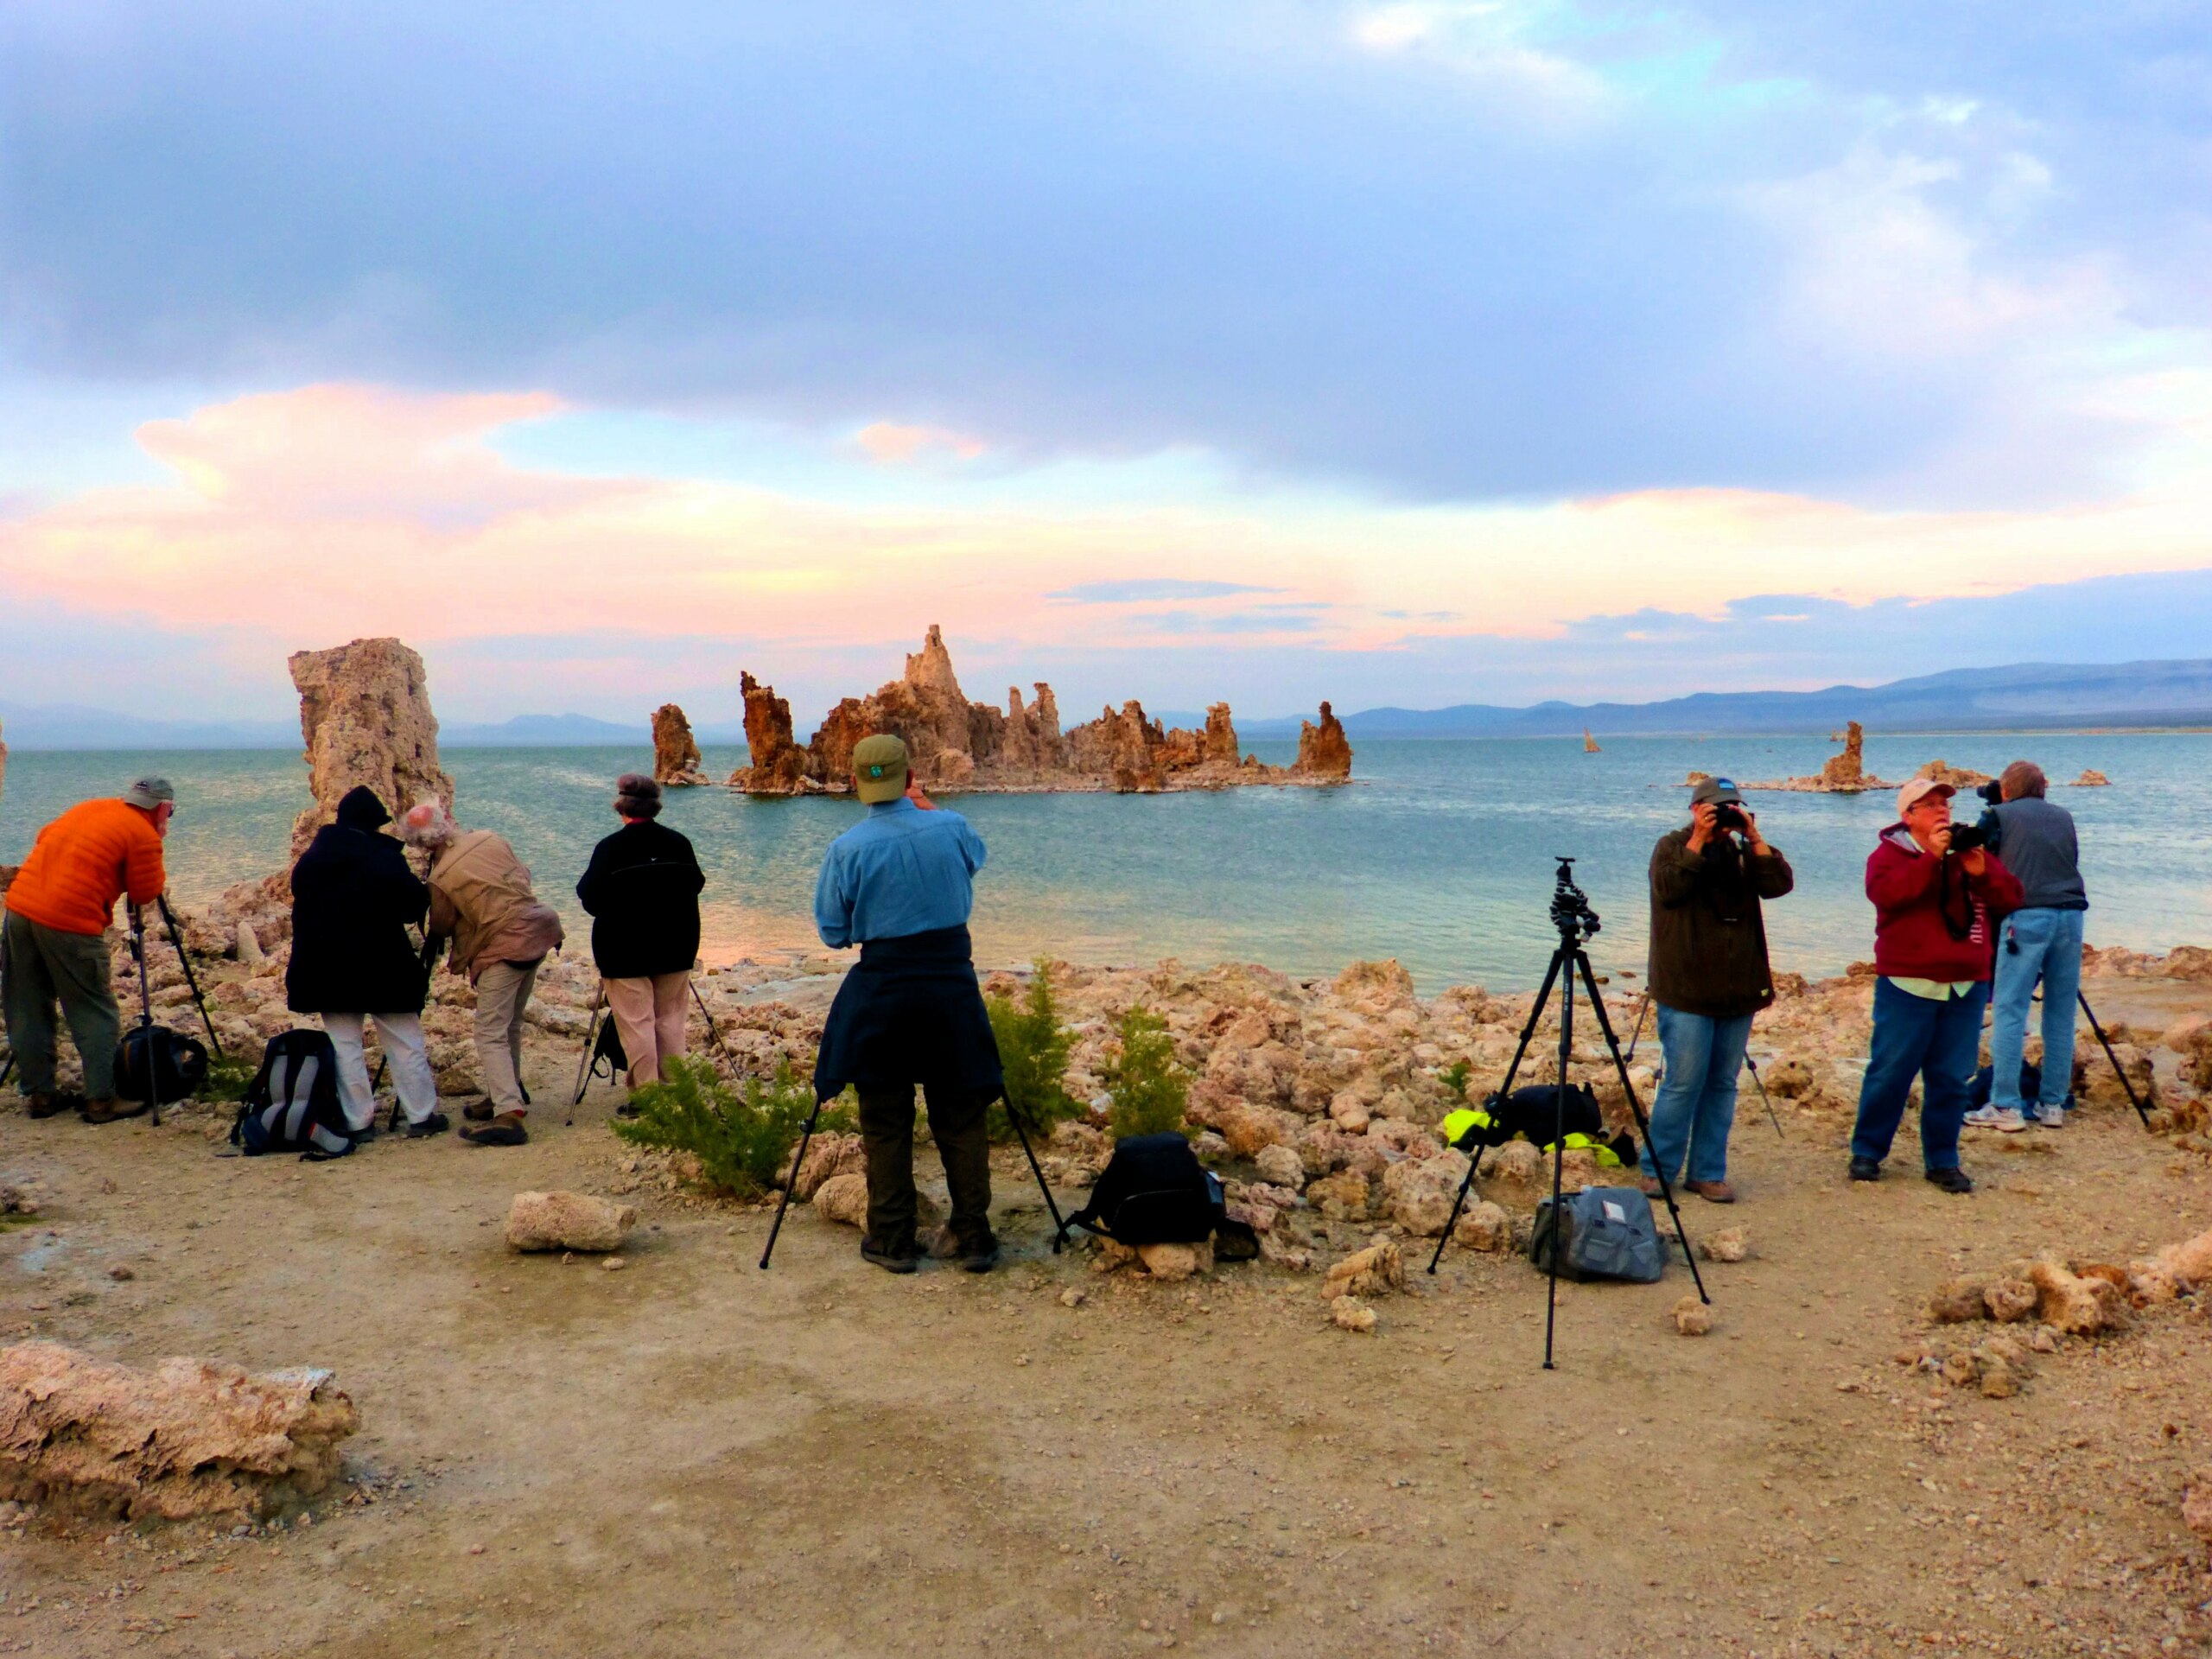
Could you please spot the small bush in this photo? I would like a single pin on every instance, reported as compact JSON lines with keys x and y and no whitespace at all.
{"x":1455,"y":1077}
{"x":739,"y":1138}
{"x":1149,"y":1090}
{"x":1034,"y":1052}
{"x":228,"y":1078}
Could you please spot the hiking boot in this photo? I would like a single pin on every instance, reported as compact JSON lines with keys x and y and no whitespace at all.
{"x":504,"y":1130}
{"x":112,"y":1111}
{"x":1651,"y":1187}
{"x":627,"y":1108}
{"x":477,"y":1111}
{"x":44,"y":1106}
{"x":2002,"y":1118}
{"x":1712,"y":1192}
{"x":1951,"y":1180}
{"x":1866,"y":1169}
{"x":904,"y":1261}
{"x":980,"y":1257}
{"x":436,"y":1124}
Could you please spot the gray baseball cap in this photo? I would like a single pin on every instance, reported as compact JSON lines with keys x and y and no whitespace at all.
{"x":148,"y":793}
{"x":1720,"y":792}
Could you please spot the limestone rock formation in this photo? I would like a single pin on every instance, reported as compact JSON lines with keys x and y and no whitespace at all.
{"x":1841,"y":774}
{"x":87,"y":1438}
{"x":675,"y":753}
{"x":1957,"y":777}
{"x":567,"y":1221}
{"x":364,"y":715}
{"x":2090,"y":778}
{"x":956,"y":744}
{"x":1323,"y":752}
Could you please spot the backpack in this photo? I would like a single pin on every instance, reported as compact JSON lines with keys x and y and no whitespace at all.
{"x":1154,"y":1190}
{"x":1533,"y":1114}
{"x":292,"y":1103}
{"x":180,"y":1064}
{"x":1607,"y":1233}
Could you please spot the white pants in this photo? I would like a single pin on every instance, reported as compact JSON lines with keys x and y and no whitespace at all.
{"x":401,"y":1038}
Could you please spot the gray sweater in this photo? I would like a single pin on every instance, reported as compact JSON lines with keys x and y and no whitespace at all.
{"x":2035,"y":841}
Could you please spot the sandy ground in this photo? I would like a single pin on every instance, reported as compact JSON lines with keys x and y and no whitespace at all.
{"x":692,"y":1456}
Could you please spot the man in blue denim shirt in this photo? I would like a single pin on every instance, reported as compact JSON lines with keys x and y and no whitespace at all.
{"x":900,"y":884}
{"x":2040,"y":941}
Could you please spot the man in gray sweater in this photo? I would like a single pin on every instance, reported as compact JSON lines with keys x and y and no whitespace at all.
{"x":2041,"y":940}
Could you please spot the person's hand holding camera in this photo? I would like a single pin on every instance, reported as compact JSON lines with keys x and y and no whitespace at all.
{"x":1704,"y":823}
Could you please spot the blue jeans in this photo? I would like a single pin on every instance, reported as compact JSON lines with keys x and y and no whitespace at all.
{"x":2034,"y":944}
{"x":1940,"y":1041}
{"x":1696,"y":1104}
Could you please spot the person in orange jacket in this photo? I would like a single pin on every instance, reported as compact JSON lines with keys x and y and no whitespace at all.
{"x":53,"y":947}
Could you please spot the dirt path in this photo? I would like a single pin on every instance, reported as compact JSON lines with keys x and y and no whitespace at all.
{"x":692,"y":1457}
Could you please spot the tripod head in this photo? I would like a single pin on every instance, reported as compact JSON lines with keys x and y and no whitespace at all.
{"x":1571,"y":911}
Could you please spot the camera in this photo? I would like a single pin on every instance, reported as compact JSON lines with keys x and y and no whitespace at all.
{"x":1730,"y":817}
{"x":1964,"y":837}
{"x":1992,"y":791}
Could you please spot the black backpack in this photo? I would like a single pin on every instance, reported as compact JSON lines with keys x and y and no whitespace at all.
{"x":1533,"y":1113}
{"x":179,"y":1065}
{"x":1154,"y":1190}
{"x":292,"y":1103}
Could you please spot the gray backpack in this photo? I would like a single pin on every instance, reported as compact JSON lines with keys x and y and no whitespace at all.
{"x":1607,"y":1233}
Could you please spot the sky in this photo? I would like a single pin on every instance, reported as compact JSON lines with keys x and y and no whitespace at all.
{"x":1415,"y":353}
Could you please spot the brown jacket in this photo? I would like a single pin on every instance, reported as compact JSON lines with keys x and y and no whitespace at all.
{"x":480,"y":897}
{"x":1708,"y":940}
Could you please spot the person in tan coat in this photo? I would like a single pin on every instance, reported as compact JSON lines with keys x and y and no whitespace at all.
{"x":481,"y":899}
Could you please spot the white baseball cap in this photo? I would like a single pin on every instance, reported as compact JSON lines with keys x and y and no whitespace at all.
{"x":1915,"y":788}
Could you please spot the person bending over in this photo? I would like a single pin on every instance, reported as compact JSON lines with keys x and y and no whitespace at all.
{"x":1934,"y":912}
{"x":2041,"y":941}
{"x":641,"y":890}
{"x":900,"y":885}
{"x":354,"y":898}
{"x":480,"y":898}
{"x":1708,"y":976}
{"x":53,"y":944}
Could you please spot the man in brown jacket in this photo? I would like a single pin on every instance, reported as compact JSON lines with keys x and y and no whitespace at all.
{"x":481,"y":899}
{"x":1709,"y":976}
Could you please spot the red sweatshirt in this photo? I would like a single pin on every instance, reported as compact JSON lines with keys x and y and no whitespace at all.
{"x":1919,"y":900}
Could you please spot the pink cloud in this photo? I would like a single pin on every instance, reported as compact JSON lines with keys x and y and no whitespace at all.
{"x":889,"y":444}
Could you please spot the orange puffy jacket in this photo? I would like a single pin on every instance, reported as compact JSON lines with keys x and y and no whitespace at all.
{"x":84,"y":861}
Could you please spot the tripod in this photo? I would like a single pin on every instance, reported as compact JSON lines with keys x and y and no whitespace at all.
{"x":176,"y":944}
{"x":1012,"y":1116}
{"x":1577,"y":923}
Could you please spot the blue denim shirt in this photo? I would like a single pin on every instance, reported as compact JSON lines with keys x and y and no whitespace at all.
{"x":897,"y":871}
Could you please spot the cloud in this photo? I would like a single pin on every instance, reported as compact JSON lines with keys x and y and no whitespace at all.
{"x":890,"y":444}
{"x":1138,"y":589}
{"x":1325,"y":242}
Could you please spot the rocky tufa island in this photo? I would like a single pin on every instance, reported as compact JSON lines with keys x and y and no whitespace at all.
{"x":960,"y":745}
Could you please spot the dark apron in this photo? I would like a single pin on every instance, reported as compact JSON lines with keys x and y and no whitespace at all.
{"x":911,"y":1012}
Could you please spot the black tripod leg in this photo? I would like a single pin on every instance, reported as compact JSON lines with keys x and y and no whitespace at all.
{"x":1559,"y":1141}
{"x":2106,"y":1042}
{"x":716,"y":1033}
{"x":1751,"y":1066}
{"x":1643,"y":1125}
{"x":1513,"y":1068}
{"x":798,"y":1162}
{"x":145,"y":1014}
{"x":177,"y":942}
{"x":1642,"y":1011}
{"x":583,"y":1065}
{"x":1059,"y":1227}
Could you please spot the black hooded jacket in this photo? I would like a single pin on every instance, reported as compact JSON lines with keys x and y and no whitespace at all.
{"x":641,"y":891}
{"x":352,"y":897}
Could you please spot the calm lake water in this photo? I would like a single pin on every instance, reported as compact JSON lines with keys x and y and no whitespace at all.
{"x":1439,"y":855}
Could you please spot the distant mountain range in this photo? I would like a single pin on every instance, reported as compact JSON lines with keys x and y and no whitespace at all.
{"x":2166,"y":693}
{"x":2169,"y":693}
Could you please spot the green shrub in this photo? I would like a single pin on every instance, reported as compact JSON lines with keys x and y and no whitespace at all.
{"x":739,"y":1138}
{"x":1455,"y":1077}
{"x":228,"y":1078}
{"x":1149,"y":1090}
{"x":1033,"y":1051}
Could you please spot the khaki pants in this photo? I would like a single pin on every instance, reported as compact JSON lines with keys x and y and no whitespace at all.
{"x":44,"y":965}
{"x":958,"y":1123}
{"x":502,"y":993}
{"x":649,"y":1013}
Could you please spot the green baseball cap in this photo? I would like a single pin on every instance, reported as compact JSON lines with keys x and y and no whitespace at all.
{"x":879,"y":768}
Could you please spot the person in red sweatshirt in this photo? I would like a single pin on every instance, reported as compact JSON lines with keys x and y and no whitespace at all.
{"x":1936,"y":913}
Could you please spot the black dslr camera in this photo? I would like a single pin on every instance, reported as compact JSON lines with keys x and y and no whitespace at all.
{"x":1992,"y":791}
{"x":1729,"y":818}
{"x":1964,"y":837}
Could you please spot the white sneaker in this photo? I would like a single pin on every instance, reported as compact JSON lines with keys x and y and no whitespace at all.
{"x":2049,"y":1117}
{"x":1989,"y":1118}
